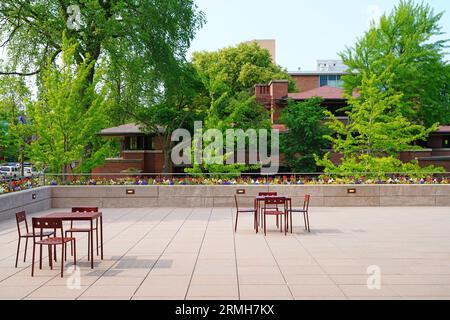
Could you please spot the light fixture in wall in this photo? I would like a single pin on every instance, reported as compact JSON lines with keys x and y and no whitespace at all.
{"x":240,"y":191}
{"x":351,"y":191}
{"x":130,"y":191}
{"x":34,"y":196}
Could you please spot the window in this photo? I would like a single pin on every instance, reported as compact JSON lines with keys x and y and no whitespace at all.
{"x":331,"y":80}
{"x":446,"y":143}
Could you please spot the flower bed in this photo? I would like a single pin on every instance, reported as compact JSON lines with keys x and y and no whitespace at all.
{"x":281,"y":180}
{"x":25,"y":184}
{"x":19,"y":185}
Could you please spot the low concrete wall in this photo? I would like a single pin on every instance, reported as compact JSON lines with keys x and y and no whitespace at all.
{"x":18,"y":201}
{"x":222,"y":196}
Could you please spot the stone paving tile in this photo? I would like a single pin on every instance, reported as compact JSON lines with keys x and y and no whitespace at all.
{"x":316,"y":291}
{"x":213,"y":291}
{"x":167,"y":253}
{"x":261,"y":291}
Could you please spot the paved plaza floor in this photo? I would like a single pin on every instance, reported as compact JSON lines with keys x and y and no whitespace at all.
{"x":176,"y":253}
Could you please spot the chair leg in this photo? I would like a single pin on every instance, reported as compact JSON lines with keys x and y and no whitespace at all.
{"x":96,"y":237}
{"x":62,"y":262}
{"x":265,"y":231}
{"x":18,"y":249}
{"x":71,"y":248}
{"x":236,"y":223}
{"x":50,"y":263}
{"x":307,"y":219}
{"x":25,"y":253}
{"x":285,"y":223}
{"x":40,"y":257}
{"x":74,"y":252}
{"x":32,"y":262}
{"x":89,"y":246}
{"x":304,"y":219}
{"x":54,"y":248}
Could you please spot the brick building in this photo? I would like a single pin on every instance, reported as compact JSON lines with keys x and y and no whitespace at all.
{"x":143,"y":152}
{"x":326,"y":83}
{"x":138,"y":151}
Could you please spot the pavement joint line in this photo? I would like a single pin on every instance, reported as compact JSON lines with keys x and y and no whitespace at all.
{"x":320,"y":266}
{"x":278,"y":265}
{"x":43,"y":257}
{"x":133,"y":246}
{"x":235,"y":255}
{"x":57,"y":275}
{"x":198,"y":253}
{"x":164,"y":250}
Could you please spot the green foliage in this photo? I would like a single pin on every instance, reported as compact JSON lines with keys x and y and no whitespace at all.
{"x":406,"y":43}
{"x":127,"y":50}
{"x":14,"y":130}
{"x":304,"y":138}
{"x":237,"y":69}
{"x":368,"y":166}
{"x":64,"y":127}
{"x":375,"y":133}
{"x":229,"y":76}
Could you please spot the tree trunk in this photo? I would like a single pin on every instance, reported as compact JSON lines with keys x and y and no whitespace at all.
{"x":168,"y":165}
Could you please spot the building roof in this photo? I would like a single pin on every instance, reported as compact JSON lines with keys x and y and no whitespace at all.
{"x":443,"y":129}
{"x":317,"y":73}
{"x":326,"y":92}
{"x":280,"y":127}
{"x":130,"y":129}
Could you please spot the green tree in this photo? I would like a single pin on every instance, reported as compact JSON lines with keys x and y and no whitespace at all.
{"x":14,"y":134}
{"x":408,"y":42}
{"x":229,"y":76}
{"x":60,"y":121}
{"x":375,"y":133}
{"x":157,"y":31}
{"x":237,"y":69}
{"x":304,"y":138}
{"x":180,"y":103}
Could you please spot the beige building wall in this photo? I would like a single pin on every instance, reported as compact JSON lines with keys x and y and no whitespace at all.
{"x":269,"y":44}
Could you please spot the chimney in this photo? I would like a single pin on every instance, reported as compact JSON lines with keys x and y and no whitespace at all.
{"x":279,"y":90}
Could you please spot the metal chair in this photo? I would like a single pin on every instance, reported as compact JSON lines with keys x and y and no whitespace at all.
{"x":305,"y":212}
{"x":90,"y":232}
{"x":270,"y":194}
{"x":278,"y":202}
{"x":246,"y":210}
{"x":21,"y":217}
{"x":51,"y":223}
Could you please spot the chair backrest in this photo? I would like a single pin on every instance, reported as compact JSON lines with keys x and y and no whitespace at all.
{"x":47,"y":223}
{"x":21,"y":217}
{"x":268,"y":194}
{"x":275,"y":201}
{"x":85,"y":209}
{"x":306,"y":202}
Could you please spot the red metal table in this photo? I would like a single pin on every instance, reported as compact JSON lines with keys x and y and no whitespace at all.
{"x":85,"y":216}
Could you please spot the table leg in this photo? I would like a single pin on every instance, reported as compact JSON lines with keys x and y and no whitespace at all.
{"x":101,"y":236}
{"x":92,"y":246}
{"x":255,"y":206}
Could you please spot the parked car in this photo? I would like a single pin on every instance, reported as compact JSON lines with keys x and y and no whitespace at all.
{"x":10,"y":171}
{"x":29,"y":172}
